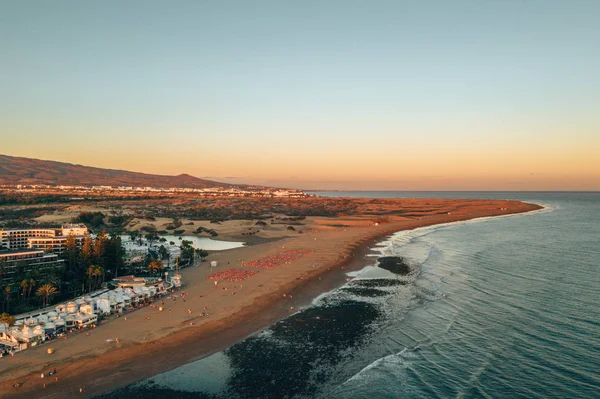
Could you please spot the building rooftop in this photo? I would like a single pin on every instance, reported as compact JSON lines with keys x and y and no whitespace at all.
{"x":74,"y":226}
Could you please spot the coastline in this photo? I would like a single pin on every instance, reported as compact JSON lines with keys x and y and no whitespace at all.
{"x":107,"y":368}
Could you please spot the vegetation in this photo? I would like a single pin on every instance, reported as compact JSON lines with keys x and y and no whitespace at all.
{"x":20,"y":214}
{"x":187,"y":251}
{"x":92,"y":219}
{"x":45,"y":292}
{"x":155,"y":265}
{"x":18,"y":286}
{"x":7,"y":320}
{"x":89,"y":265}
{"x":201,"y":229}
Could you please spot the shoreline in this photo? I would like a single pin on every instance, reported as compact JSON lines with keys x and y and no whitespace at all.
{"x":137,"y":360}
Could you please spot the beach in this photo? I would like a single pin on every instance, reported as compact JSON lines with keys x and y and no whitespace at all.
{"x":153,"y":341}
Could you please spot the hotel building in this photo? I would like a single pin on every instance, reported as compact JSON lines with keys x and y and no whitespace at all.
{"x":28,"y":259}
{"x":49,"y":240}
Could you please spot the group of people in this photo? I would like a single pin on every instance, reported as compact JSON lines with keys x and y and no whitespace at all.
{"x":232,"y":275}
{"x":43,"y":375}
{"x":277,"y":260}
{"x":268,"y":262}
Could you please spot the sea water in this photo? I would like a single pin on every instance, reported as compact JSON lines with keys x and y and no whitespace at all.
{"x":504,"y":307}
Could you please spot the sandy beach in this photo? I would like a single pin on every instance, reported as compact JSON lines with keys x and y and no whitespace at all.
{"x":152,"y":342}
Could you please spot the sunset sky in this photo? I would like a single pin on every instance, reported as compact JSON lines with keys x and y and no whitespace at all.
{"x":405,"y":95}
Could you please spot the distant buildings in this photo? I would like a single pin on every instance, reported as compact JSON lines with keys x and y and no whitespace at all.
{"x":48,"y":240}
{"x":228,"y":191}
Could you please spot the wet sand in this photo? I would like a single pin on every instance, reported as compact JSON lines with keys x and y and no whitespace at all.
{"x":173,"y":337}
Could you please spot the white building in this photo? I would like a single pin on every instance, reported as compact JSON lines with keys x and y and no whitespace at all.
{"x":49,"y":240}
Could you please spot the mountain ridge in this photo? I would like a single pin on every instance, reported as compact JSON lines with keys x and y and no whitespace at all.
{"x":22,"y":170}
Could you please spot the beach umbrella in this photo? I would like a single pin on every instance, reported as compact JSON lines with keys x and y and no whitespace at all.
{"x":25,"y":334}
{"x":103,"y":305}
{"x":71,"y":307}
{"x":61,"y":308}
{"x":49,"y":327}
{"x":86,"y":309}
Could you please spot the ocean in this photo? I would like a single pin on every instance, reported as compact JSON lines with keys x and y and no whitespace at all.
{"x":505,"y":307}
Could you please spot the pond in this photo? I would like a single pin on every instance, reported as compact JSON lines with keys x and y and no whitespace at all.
{"x":197,"y":242}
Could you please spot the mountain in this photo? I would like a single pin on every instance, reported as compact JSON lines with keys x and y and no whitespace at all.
{"x":18,"y":170}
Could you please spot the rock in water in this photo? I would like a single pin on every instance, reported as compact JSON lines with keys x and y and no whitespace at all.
{"x":394,"y":264}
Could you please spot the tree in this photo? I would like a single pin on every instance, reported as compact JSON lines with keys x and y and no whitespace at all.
{"x":30,"y":285}
{"x":202,"y":253}
{"x":90,"y":274}
{"x":7,"y":320}
{"x":152,"y":236}
{"x":70,"y":254}
{"x":155,"y":265}
{"x":23,"y":285}
{"x":113,"y":255}
{"x":99,"y":250}
{"x":187,"y":251}
{"x":164,"y":253}
{"x":46,"y":291}
{"x":87,"y":251}
{"x":133,"y":235}
{"x":98,"y":272}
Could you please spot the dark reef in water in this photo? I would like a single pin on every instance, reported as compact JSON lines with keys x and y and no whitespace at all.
{"x":377,"y":283}
{"x":294,"y":357}
{"x":394,"y":264}
{"x":153,"y":393}
{"x":297,"y":354}
{"x":366,"y":292}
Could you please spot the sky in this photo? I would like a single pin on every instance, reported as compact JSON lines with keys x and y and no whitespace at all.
{"x":388,"y":95}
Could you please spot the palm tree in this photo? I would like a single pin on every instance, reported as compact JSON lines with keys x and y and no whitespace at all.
{"x":45,"y":292}
{"x":7,"y":320}
{"x":31,"y":284}
{"x":98,"y":271}
{"x":90,"y":273}
{"x":23,"y":285}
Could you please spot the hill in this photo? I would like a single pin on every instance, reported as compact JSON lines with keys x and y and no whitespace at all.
{"x":18,"y":170}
